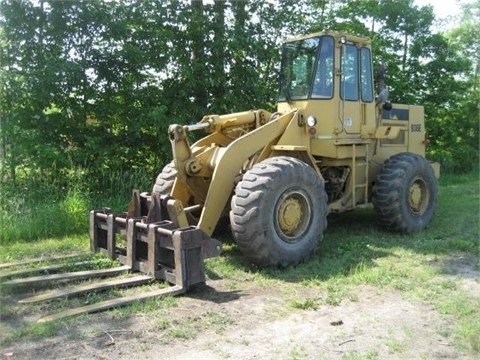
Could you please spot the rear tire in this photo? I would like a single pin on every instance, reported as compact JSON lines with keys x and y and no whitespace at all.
{"x":279,"y":212}
{"x":405,"y":193}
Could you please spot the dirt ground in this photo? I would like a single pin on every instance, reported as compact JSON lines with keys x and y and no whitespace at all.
{"x":255,"y":323}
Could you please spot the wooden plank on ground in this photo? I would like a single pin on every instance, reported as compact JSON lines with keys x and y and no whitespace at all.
{"x":77,"y":275}
{"x":98,"y":286}
{"x":37,"y":260}
{"x":41,"y":268}
{"x":109,"y":304}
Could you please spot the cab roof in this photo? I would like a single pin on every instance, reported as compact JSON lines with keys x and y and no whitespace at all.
{"x":361,"y":40}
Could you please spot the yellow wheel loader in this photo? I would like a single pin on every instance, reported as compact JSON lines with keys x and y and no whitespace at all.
{"x":331,"y":146}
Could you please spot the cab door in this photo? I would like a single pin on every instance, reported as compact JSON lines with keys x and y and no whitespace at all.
{"x":350,"y":114}
{"x":356,"y":107}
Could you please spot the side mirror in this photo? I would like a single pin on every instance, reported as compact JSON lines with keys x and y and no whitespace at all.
{"x":387,"y":106}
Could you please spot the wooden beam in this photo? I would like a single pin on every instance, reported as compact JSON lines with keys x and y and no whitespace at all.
{"x":109,"y":304}
{"x":78,"y":275}
{"x":41,"y":268}
{"x":37,"y":260}
{"x":108,"y":284}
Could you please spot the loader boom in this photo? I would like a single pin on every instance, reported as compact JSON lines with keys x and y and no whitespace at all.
{"x":223,"y":163}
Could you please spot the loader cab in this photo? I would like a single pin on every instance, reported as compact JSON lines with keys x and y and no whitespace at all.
{"x":329,"y":76}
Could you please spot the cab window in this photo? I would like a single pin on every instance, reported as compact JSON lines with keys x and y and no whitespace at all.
{"x":323,"y":80}
{"x":298,"y":63}
{"x":366,"y":74}
{"x":349,"y":69}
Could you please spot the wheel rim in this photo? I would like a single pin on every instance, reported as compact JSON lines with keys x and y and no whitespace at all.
{"x":292,"y":215}
{"x":418,"y":196}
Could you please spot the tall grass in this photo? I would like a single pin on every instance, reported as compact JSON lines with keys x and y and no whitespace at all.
{"x":38,"y":207}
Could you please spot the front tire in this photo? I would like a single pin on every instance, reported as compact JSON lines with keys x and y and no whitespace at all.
{"x":405,"y":193}
{"x":164,"y":182}
{"x":164,"y":185}
{"x":279,"y":212}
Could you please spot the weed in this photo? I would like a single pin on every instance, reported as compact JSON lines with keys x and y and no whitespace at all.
{"x":473,"y":338}
{"x":395,"y":346}
{"x":371,"y":355}
{"x":303,"y":304}
{"x":183,"y":332}
{"x":297,"y":353}
{"x":211,"y":320}
{"x":162,"y":323}
{"x":337,"y":292}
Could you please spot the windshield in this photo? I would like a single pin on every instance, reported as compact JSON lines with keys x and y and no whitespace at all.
{"x":307,"y":69}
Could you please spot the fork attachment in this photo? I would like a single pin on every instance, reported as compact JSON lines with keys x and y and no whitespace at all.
{"x":159,"y":241}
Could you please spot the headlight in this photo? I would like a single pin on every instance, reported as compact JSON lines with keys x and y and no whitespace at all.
{"x":311,"y":121}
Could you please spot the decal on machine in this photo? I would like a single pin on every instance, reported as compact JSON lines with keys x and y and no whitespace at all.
{"x":415,"y":127}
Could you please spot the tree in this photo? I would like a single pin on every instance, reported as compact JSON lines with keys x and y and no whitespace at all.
{"x":94,"y":85}
{"x":455,"y":102}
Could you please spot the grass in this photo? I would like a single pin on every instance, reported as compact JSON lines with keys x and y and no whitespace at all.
{"x":37,"y":208}
{"x":297,"y":353}
{"x":371,"y":355}
{"x":303,"y":304}
{"x":13,"y":251}
{"x":355,"y":252}
{"x":34,"y":331}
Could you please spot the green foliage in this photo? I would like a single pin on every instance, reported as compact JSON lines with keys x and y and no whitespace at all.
{"x":33,"y":208}
{"x":94,"y":84}
{"x":453,"y":109}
